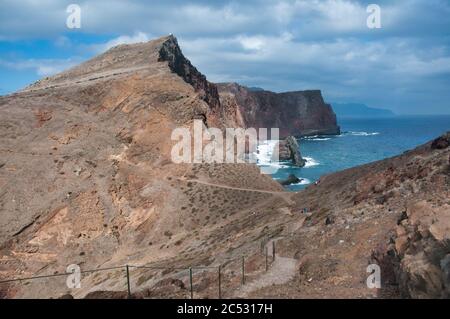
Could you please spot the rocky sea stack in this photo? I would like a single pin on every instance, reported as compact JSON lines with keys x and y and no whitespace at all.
{"x":292,"y":179}
{"x":289,"y":150}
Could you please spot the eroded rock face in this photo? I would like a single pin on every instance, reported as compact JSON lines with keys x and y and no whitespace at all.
{"x":171,"y":52}
{"x":423,"y":245}
{"x":289,"y":150}
{"x":299,"y":113}
{"x":441,"y":142}
{"x":292,"y":179}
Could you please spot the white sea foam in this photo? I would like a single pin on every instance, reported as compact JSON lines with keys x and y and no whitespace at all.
{"x":264,"y":157}
{"x":304,"y":181}
{"x":317,"y":138}
{"x":264,"y":153}
{"x":362,"y":133}
{"x":310,"y":162}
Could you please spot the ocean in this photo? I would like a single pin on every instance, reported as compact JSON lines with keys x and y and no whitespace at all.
{"x":362,"y":141}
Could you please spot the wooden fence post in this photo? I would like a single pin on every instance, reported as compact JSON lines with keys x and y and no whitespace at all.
{"x":243,"y":270}
{"x":220,"y":282}
{"x":273,"y":251}
{"x":267,"y":258}
{"x":128,"y":281}
{"x":190,"y":282}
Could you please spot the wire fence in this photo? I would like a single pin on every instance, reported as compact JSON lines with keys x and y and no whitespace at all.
{"x":148,"y":281}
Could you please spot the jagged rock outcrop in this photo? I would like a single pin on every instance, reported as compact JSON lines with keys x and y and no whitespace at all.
{"x":441,"y":142}
{"x":299,"y":113}
{"x":96,"y":79}
{"x":423,"y":246}
{"x":292,"y":179}
{"x":289,"y":150}
{"x":171,"y":52}
{"x":422,"y":240}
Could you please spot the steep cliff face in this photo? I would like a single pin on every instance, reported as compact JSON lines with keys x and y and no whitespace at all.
{"x":171,"y":52}
{"x":299,"y":113}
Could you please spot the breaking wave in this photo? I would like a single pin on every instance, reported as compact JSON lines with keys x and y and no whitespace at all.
{"x":310,"y":162}
{"x":264,"y":154}
{"x":317,"y":138}
{"x":304,"y":181}
{"x":353,"y":133}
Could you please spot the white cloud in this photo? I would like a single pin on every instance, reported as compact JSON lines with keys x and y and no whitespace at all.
{"x":304,"y":18}
{"x":254,"y":43}
{"x":377,"y":72}
{"x":123,"y":39}
{"x":63,"y":42}
{"x":342,"y":15}
{"x":42,"y":67}
{"x":277,"y":44}
{"x":195,"y":16}
{"x":318,"y":17}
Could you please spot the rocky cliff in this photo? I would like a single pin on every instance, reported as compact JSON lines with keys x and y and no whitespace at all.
{"x":171,"y":52}
{"x":299,"y":113}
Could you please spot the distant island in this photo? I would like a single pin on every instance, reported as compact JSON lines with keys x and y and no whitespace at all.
{"x":359,"y":110}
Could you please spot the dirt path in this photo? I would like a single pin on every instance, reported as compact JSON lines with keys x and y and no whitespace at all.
{"x":86,"y":79}
{"x":283,"y":194}
{"x":281,"y":271}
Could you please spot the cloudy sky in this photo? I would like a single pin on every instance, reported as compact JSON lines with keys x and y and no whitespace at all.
{"x":278,"y":45}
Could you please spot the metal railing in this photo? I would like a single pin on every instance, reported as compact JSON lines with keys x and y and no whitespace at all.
{"x":219,"y":270}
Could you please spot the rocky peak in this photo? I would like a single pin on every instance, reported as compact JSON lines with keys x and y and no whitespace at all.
{"x":441,"y":142}
{"x":170,"y":52}
{"x":126,"y":59}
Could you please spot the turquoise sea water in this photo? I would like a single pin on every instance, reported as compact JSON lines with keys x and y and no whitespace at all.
{"x":362,"y":141}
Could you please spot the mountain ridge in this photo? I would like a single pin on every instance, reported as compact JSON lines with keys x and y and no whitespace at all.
{"x":359,"y":110}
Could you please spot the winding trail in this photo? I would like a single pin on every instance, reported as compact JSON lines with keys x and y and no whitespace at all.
{"x":281,"y":271}
{"x":283,"y":194}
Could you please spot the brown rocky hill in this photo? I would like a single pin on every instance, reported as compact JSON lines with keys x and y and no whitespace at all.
{"x":86,"y":175}
{"x":297,"y":113}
